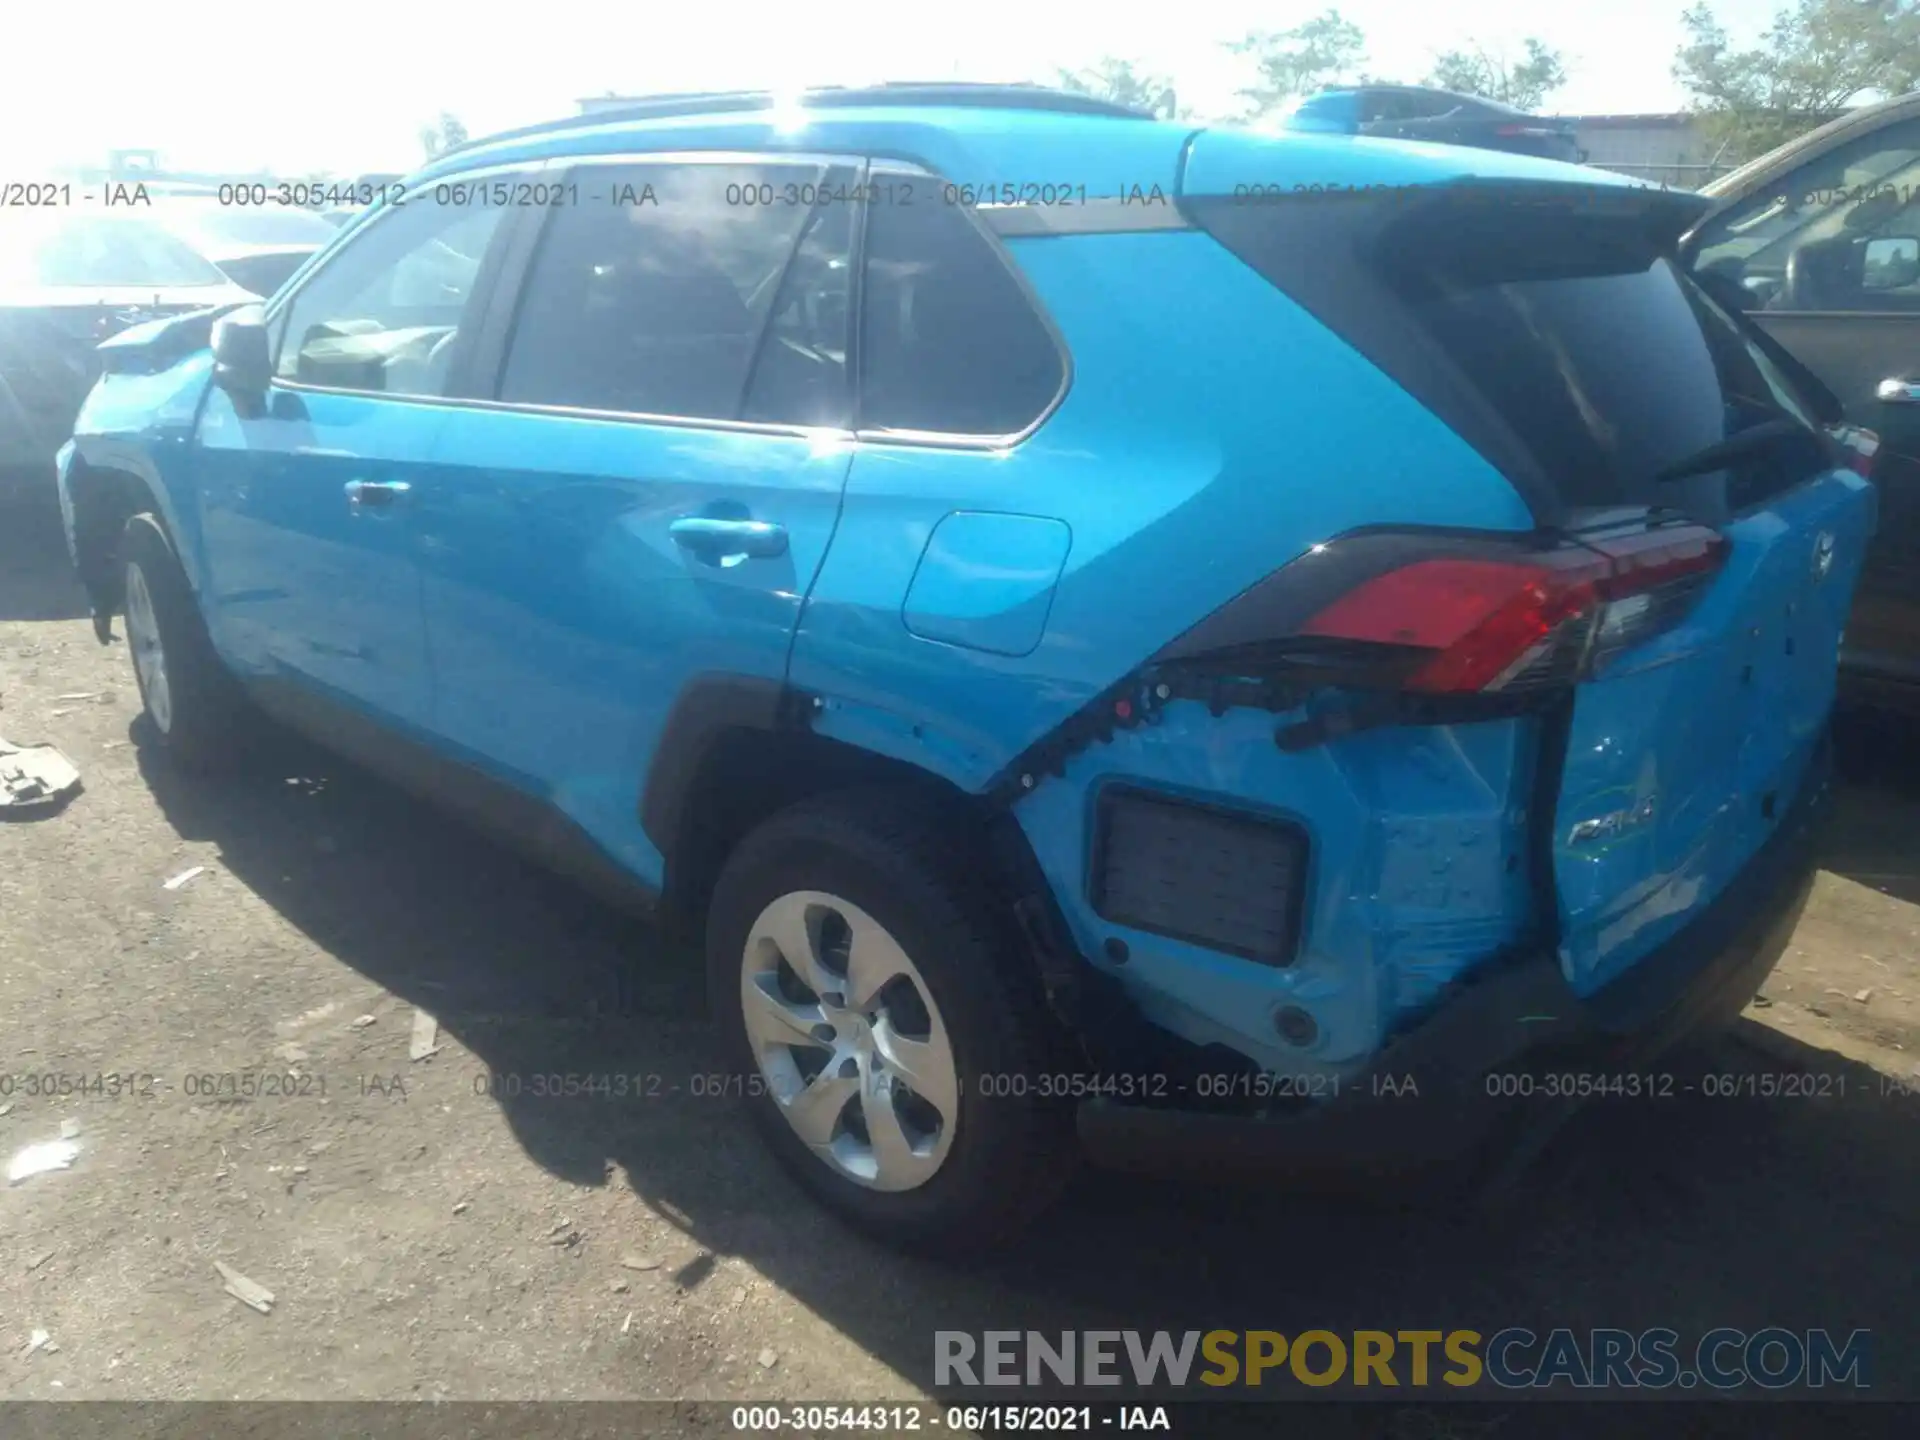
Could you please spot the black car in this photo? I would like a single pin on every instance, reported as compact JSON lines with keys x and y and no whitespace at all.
{"x":67,"y":282}
{"x":1440,"y":117}
{"x":1819,"y":241}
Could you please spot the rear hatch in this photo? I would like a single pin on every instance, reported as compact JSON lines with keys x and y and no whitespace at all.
{"x":1699,"y":538}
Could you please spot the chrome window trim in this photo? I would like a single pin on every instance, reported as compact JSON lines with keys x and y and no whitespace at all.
{"x":1100,"y":215}
{"x":581,"y":412}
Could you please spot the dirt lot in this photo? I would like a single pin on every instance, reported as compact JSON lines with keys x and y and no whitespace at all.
{"x":425,"y":1238}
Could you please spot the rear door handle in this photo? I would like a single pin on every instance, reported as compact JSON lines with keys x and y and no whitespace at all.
{"x":376,"y":494}
{"x":716,"y":539}
{"x":1899,"y":392}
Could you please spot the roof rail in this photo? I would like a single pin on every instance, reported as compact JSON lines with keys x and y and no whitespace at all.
{"x":897,"y":92}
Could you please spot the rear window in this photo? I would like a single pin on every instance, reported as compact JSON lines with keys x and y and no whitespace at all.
{"x":1607,"y":379}
{"x":1555,"y":336}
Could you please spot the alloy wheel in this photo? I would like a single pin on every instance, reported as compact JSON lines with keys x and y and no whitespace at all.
{"x":849,"y":1041}
{"x":149,"y":654}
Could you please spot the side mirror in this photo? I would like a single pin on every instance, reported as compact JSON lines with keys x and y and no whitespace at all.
{"x":1891,"y":262}
{"x":242,"y":360}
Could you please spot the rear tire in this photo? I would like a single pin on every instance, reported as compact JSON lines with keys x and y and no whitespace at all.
{"x":877,"y":1012}
{"x":194,"y":706}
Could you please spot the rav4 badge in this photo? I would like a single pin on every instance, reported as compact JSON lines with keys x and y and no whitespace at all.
{"x":1607,"y":827}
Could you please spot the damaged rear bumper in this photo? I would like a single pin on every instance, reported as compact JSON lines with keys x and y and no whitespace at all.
{"x":1514,"y":1053}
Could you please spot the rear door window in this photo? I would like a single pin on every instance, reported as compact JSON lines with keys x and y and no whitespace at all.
{"x":949,"y":343}
{"x":653,"y":296}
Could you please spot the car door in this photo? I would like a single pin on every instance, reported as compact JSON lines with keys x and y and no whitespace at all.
{"x":307,"y":500}
{"x":1829,"y":252}
{"x":654,"y":485}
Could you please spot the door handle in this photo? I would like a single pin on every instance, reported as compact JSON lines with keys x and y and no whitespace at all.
{"x":376,"y":494}
{"x":712,"y":538}
{"x":1899,"y":392}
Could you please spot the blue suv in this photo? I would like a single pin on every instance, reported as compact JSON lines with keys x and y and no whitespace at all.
{"x":1179,"y":644}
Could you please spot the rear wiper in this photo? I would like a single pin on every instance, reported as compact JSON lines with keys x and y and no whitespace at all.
{"x":1785,"y":435}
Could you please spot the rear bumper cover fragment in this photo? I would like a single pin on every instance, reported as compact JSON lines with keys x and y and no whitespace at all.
{"x":1432,"y":1095}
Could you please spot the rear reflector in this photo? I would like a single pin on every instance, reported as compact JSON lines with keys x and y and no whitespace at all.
{"x":1488,"y":624}
{"x":1232,"y":883}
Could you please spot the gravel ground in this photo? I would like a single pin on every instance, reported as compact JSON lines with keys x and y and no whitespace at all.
{"x":423,"y":1236}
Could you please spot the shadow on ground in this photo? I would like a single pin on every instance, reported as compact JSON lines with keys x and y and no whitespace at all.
{"x":36,"y":578}
{"x":1686,"y":1212}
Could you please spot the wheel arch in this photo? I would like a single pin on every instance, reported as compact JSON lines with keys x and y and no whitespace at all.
{"x":736,"y":750}
{"x":99,"y":496}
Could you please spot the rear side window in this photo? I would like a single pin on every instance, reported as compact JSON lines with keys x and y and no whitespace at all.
{"x":652,"y":297}
{"x":949,"y":342}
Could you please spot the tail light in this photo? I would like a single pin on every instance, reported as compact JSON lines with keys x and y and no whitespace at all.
{"x":1858,"y":446}
{"x":1461,"y":625}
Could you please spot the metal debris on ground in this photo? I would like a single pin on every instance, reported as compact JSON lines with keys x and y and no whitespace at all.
{"x":69,"y":1129}
{"x":83,"y":695}
{"x":182,"y":878}
{"x":39,"y":1260}
{"x":461,"y":1207}
{"x":246,"y":1291}
{"x":425,"y":1028}
{"x":34,"y":778}
{"x":1863,"y":996}
{"x":640,"y":1262}
{"x":362,"y":1022}
{"x":39,"y":1159}
{"x":627,"y":1324}
{"x":36,"y":1341}
{"x":768,"y":1359}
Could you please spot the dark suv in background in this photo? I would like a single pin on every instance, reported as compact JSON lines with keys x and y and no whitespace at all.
{"x":1820,"y":242}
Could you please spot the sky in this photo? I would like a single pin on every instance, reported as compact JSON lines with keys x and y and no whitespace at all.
{"x":344,"y":87}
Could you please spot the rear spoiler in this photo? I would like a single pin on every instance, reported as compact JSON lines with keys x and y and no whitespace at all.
{"x":1474,"y":224}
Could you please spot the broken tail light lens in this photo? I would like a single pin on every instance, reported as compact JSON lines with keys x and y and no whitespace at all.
{"x":1478,"y":625}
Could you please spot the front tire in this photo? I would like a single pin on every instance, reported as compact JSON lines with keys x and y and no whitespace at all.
{"x":890,"y":1038}
{"x":193,"y":705}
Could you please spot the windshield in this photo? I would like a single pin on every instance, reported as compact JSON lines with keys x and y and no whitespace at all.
{"x":91,"y":251}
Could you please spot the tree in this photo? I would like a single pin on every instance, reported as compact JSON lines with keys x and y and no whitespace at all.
{"x":1291,"y":63}
{"x":1812,"y":62}
{"x":1120,"y":82}
{"x":443,"y":135}
{"x":1493,"y":76}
